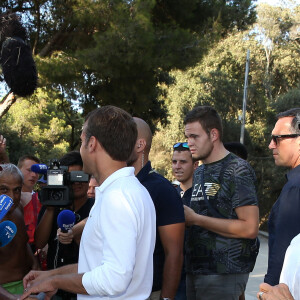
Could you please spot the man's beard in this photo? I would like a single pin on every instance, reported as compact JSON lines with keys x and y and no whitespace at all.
{"x":205,"y":155}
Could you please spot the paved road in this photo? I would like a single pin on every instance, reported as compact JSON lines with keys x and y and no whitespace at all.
{"x":260,"y":269}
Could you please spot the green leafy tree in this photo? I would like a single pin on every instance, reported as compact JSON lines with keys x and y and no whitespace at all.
{"x":116,"y":52}
{"x":218,"y":80}
{"x":41,"y":127}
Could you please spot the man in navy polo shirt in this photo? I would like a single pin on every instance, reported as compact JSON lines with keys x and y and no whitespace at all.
{"x":284,"y":221}
{"x":168,"y":253}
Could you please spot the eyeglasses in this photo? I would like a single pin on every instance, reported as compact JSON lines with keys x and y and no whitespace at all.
{"x":184,"y":145}
{"x":283,"y":136}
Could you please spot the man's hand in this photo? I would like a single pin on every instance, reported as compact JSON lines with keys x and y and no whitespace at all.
{"x":189,"y":215}
{"x":65,"y":237}
{"x":38,"y":281}
{"x":277,"y":292}
{"x":34,"y":276}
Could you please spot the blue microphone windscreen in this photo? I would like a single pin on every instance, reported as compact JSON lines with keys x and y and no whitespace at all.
{"x":8,"y":231}
{"x":5,"y":205}
{"x":66,"y":219}
{"x":39,"y":168}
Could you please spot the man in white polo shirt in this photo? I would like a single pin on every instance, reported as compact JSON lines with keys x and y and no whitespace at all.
{"x":116,"y":249}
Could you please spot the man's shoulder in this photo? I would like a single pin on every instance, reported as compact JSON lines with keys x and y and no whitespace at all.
{"x":237,"y":166}
{"x":159,"y":185}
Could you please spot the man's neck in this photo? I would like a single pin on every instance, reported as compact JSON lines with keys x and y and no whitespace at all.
{"x":105,"y":170}
{"x":218,"y":153}
{"x":186,"y":185}
{"x":139,"y":164}
{"x":79,"y":202}
{"x":27,"y":189}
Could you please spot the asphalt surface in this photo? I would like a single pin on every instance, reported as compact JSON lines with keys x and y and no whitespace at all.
{"x":257,"y":275}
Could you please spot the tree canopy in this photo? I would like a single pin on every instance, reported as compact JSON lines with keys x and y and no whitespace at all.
{"x":118,"y":52}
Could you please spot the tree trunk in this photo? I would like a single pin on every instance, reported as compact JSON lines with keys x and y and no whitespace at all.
{"x":7,"y":101}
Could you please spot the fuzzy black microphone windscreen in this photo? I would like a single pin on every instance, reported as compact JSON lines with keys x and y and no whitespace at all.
{"x":16,"y":59}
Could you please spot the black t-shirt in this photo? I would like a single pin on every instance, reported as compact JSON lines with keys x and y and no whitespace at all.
{"x":59,"y":254}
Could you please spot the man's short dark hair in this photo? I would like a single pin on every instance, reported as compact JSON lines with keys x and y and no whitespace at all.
{"x":207,"y":117}
{"x":27,"y":157}
{"x":294,"y":112}
{"x":114,"y":129}
{"x":71,"y":158}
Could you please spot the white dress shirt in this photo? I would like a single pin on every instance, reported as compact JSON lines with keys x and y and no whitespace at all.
{"x":117,"y":244}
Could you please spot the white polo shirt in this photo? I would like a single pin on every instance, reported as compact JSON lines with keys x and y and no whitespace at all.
{"x":290,"y":273}
{"x":117,"y":244}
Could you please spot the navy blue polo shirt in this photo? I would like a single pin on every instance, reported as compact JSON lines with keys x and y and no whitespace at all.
{"x":169,"y":210}
{"x":283,"y":224}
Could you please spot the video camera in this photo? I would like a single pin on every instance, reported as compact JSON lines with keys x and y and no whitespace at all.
{"x":58,"y":191}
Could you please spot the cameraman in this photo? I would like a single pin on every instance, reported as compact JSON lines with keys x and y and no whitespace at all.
{"x":46,"y":231}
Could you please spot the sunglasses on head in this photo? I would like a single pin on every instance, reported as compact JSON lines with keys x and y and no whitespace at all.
{"x":184,"y":145}
{"x":283,"y":136}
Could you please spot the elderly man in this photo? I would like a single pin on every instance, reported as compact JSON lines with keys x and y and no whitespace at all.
{"x":16,"y":258}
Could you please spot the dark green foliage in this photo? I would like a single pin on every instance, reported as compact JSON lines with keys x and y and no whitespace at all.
{"x":114,"y":52}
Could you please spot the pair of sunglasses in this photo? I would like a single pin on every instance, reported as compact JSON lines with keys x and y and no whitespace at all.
{"x":184,"y":145}
{"x":283,"y":136}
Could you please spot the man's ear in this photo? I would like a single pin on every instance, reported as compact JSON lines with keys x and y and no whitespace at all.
{"x":196,"y":165}
{"x":92,"y":144}
{"x":140,"y":145}
{"x":214,"y":134}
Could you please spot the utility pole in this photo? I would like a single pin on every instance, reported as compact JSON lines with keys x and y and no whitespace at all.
{"x":243,"y":117}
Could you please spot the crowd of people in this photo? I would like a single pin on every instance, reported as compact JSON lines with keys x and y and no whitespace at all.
{"x":138,"y":237}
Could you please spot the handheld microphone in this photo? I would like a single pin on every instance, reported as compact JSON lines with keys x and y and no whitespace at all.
{"x":39,"y":168}
{"x":66,"y":220}
{"x":16,"y":59}
{"x":5,"y":205}
{"x":8,"y":231}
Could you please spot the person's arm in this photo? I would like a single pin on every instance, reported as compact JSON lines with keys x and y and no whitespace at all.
{"x":4,"y":159}
{"x":278,"y":292}
{"x":41,"y":275}
{"x":5,"y":295}
{"x":246,"y":226}
{"x":172,"y":237}
{"x":286,"y":227}
{"x":43,"y":229}
{"x":35,"y":263}
{"x":65,"y":278}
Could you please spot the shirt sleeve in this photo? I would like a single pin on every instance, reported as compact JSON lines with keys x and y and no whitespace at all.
{"x":286,"y":228}
{"x":244,"y":186}
{"x":119,"y":227}
{"x":290,"y":274}
{"x":168,"y":205}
